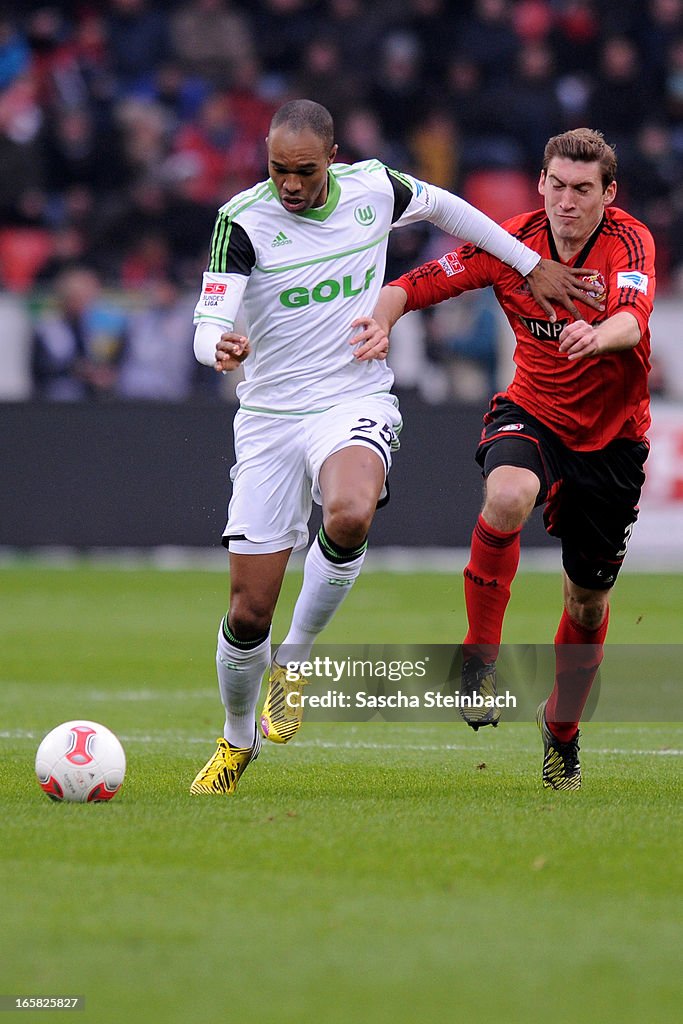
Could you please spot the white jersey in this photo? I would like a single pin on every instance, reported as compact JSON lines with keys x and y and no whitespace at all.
{"x":303,"y":278}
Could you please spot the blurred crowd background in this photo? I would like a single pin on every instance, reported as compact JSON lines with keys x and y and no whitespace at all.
{"x":125,"y":124}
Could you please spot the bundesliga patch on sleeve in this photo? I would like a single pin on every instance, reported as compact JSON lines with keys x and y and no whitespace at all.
{"x":632,"y":279}
{"x":451,"y":264}
{"x":213,"y":293}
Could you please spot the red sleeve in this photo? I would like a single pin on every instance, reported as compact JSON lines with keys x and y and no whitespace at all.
{"x":631,"y":285}
{"x":456,"y":272}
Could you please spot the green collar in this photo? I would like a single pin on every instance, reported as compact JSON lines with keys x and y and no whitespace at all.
{"x":318,"y":212}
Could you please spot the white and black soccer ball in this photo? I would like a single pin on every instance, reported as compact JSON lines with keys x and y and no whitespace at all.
{"x":82,"y":762}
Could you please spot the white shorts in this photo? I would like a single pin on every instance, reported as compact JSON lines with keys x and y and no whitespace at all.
{"x":275,"y":477}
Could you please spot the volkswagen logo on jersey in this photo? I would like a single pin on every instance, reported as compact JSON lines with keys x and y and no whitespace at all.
{"x":365,"y":215}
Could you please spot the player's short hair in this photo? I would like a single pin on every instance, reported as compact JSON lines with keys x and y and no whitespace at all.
{"x":301,"y":114}
{"x":586,"y":145}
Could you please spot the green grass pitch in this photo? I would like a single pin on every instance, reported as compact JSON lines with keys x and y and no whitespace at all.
{"x":368,"y":872}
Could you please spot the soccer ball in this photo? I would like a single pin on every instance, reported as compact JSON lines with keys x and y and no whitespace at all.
{"x":80,"y":761}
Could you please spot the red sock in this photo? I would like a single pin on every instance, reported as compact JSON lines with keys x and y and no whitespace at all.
{"x":494,"y":558}
{"x":578,"y":654}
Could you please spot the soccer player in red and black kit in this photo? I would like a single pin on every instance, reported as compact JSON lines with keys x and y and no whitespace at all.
{"x":569,"y":433}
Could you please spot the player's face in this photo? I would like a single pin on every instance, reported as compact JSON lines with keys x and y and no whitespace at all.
{"x":298,"y":163}
{"x":574,"y":199}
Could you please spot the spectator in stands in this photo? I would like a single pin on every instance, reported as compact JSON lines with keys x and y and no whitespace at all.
{"x":146,"y":138}
{"x":79,"y":152}
{"x":488,"y":38}
{"x":364,"y":139}
{"x":177,"y":92}
{"x":78,"y":345}
{"x":138,"y":41}
{"x":655,"y":178}
{"x":533,"y":109}
{"x":219,"y":155}
{"x":576,"y":36}
{"x":15,"y":55}
{"x":322,"y":75}
{"x":281,"y":30}
{"x":673,"y":89}
{"x":397,"y":93}
{"x":435,"y":145}
{"x":158,"y":361}
{"x":661,"y":31}
{"x":357,"y":25}
{"x":622,"y":99}
{"x":69,"y":250}
{"x":95,"y":63}
{"x":22,"y":177}
{"x":15,"y":351}
{"x":149,"y":261}
{"x":209,"y":38}
{"x":464,"y":96}
{"x":486,"y":131}
{"x":434,"y":24}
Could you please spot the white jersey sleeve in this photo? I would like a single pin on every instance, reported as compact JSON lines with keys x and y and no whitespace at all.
{"x":460,"y":219}
{"x":231,"y":261}
{"x":216,"y":311}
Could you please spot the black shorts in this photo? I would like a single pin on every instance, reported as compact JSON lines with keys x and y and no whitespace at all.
{"x":590,"y":498}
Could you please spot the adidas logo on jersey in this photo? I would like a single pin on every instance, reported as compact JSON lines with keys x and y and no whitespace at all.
{"x":280,"y":239}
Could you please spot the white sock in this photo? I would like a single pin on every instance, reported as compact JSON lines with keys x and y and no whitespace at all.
{"x":239,"y":680}
{"x":325,"y":586}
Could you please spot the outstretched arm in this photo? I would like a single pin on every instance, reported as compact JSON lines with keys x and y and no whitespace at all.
{"x":372,"y":340}
{"x":549,"y":281}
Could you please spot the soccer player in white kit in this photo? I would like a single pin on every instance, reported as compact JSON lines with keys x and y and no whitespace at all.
{"x":304,"y":253}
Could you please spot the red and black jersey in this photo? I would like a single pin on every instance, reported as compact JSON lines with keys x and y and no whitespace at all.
{"x":587,"y":402}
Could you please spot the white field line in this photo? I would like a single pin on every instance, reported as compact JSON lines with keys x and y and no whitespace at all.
{"x":135,"y":696}
{"x":132,"y":696}
{"x":380,"y":559}
{"x":352,"y":745}
{"x":161,"y":738}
